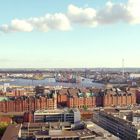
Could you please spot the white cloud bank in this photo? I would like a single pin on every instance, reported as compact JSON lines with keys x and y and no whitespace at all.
{"x":56,"y":21}
{"x":111,"y":13}
{"x":17,"y":26}
{"x":83,"y":16}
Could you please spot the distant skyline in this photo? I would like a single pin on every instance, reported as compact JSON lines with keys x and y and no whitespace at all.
{"x":69,"y":33}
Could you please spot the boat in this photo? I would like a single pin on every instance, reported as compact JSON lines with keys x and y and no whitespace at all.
{"x":68,"y":78}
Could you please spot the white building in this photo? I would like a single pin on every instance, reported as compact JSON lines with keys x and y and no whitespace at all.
{"x":58,"y":115}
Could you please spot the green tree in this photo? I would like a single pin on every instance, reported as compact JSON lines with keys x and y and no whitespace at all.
{"x":85,"y":107}
{"x":3,"y":126}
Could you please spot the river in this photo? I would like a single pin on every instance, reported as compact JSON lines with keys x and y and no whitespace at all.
{"x":52,"y":82}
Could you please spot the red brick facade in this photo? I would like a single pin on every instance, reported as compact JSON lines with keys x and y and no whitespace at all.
{"x":62,"y":97}
{"x":15,"y":92}
{"x":72,"y":97}
{"x":103,"y":99}
{"x":119,"y":99}
{"x":138,"y":96}
{"x":26,"y":104}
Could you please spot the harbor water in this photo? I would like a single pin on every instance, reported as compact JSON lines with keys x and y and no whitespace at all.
{"x":51,"y":82}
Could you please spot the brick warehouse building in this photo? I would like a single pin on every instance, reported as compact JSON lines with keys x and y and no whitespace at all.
{"x":73,"y":97}
{"x":22,"y":104}
{"x":138,"y":96}
{"x":80,"y":98}
{"x":117,"y":97}
{"x":11,"y":92}
{"x":69,"y":97}
{"x":62,"y":97}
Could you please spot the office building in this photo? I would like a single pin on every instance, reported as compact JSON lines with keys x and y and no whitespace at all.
{"x":58,"y":115}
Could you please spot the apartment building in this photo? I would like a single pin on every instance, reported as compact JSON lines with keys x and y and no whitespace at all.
{"x":123,"y":123}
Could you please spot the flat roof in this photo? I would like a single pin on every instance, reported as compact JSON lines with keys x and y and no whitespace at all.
{"x":120,"y":119}
{"x":99,"y":130}
{"x":54,"y":111}
{"x":35,"y":125}
{"x":63,"y":133}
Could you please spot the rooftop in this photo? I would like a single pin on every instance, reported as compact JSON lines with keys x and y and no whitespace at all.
{"x":123,"y":116}
{"x":56,"y":111}
{"x":12,"y":132}
{"x":101,"y":133}
{"x":63,"y":133}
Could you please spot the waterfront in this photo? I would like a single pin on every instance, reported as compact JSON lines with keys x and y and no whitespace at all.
{"x":51,"y":82}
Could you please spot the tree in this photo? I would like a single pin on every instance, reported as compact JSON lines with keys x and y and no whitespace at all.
{"x":85,"y":107}
{"x":3,"y":126}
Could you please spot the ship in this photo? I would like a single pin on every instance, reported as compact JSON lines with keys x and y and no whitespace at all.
{"x":67,"y":78}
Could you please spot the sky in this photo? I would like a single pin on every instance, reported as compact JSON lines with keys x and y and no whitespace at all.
{"x":69,"y":33}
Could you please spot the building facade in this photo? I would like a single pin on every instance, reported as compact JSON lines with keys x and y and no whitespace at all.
{"x":22,"y":104}
{"x":71,"y":98}
{"x":121,"y":127}
{"x":57,"y":115}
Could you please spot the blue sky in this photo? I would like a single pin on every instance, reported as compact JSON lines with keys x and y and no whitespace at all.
{"x":85,"y":38}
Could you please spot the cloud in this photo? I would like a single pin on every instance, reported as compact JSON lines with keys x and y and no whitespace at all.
{"x":57,"y":21}
{"x":133,"y":8}
{"x":17,"y":26}
{"x":83,"y":16}
{"x":114,"y":13}
{"x":111,"y":13}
